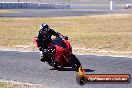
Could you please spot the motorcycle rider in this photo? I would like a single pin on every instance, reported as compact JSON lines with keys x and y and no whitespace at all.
{"x":43,"y":39}
{"x":48,"y":46}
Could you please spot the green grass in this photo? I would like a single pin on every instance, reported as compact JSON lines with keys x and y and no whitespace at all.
{"x":98,"y":32}
{"x":17,"y":85}
{"x":4,"y":85}
{"x":7,"y":11}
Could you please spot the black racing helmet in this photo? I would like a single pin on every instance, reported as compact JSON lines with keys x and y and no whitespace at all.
{"x":44,"y":26}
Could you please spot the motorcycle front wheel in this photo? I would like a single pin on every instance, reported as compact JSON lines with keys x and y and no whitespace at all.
{"x":75,"y":63}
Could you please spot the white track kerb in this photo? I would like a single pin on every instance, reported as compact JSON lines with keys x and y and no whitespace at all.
{"x":37,"y":51}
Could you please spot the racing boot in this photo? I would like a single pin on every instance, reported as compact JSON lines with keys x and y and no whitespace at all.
{"x":43,"y":57}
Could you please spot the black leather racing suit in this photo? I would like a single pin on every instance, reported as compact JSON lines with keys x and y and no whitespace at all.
{"x":44,"y":40}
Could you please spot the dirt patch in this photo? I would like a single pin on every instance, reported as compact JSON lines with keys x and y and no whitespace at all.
{"x":102,"y":52}
{"x":21,"y":46}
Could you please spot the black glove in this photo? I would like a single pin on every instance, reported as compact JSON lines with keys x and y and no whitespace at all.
{"x":65,"y":37}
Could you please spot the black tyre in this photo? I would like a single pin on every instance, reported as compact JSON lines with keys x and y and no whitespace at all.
{"x":81,"y":80}
{"x":75,"y":63}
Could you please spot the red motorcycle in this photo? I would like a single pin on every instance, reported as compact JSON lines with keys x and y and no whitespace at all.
{"x":62,"y":56}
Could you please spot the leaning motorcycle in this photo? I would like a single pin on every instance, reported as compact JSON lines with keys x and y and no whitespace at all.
{"x":62,"y":56}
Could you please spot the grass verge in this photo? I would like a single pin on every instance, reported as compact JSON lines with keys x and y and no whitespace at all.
{"x":4,"y":85}
{"x":9,"y":84}
{"x":105,"y":32}
{"x":7,"y":11}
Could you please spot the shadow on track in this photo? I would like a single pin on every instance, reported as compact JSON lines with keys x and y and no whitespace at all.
{"x":70,"y":69}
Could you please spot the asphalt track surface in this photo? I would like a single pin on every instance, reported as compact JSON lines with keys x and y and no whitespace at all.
{"x":26,"y":67}
{"x":60,"y":12}
{"x":50,"y":12}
